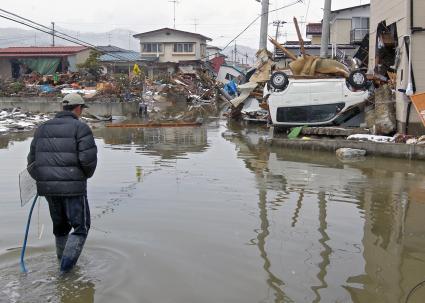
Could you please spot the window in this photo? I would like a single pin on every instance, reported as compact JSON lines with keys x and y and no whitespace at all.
{"x":360,"y":23}
{"x":230,"y":77}
{"x":152,"y":47}
{"x":309,"y":113}
{"x":183,"y":48}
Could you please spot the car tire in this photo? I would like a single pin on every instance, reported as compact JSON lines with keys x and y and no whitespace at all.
{"x":279,"y":80}
{"x":357,"y":79}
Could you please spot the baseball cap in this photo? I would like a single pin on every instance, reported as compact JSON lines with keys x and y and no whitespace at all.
{"x":74,"y":99}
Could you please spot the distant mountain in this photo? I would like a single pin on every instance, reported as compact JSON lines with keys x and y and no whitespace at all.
{"x":20,"y":37}
{"x":241,"y":52}
{"x":118,"y":37}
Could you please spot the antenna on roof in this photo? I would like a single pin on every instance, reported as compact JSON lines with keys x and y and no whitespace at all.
{"x":175,"y":2}
{"x":195,"y":20}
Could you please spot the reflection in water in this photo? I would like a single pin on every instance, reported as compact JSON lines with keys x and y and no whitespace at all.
{"x":273,"y":281}
{"x":326,"y":252}
{"x":7,"y":139}
{"x":169,"y":143}
{"x":388,"y":208}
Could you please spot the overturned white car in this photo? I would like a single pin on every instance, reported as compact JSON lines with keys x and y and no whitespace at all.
{"x":315,"y":101}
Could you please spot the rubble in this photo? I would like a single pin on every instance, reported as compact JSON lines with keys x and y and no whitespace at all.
{"x":16,"y":121}
{"x":350,"y":153}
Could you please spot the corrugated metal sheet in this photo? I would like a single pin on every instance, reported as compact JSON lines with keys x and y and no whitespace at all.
{"x":120,"y":56}
{"x":110,"y":49}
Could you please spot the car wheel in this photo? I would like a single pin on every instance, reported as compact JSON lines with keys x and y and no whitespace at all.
{"x":357,"y":79}
{"x":279,"y":80}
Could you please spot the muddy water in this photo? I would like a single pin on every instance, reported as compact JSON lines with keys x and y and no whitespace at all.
{"x":200,"y":215}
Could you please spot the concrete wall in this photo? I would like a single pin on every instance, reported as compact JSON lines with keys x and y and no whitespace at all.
{"x":5,"y":69}
{"x":41,"y":105}
{"x":340,"y":31}
{"x":398,"y":12}
{"x":168,"y":41}
{"x":392,"y":150}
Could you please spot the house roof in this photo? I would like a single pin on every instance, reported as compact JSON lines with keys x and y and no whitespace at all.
{"x":110,"y":49}
{"x":213,"y":47}
{"x":351,"y":7}
{"x":50,"y":51}
{"x":166,"y":29}
{"x":120,"y":56}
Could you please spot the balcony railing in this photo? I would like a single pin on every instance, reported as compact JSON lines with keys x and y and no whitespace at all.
{"x":357,"y":35}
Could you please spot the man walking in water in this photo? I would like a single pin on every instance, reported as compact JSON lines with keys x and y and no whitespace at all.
{"x":64,"y":155}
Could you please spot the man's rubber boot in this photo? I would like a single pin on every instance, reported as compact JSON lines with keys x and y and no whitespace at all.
{"x":60,"y":245}
{"x":72,"y":252}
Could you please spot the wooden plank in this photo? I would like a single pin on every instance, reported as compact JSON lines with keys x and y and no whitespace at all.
{"x":418,"y":101}
{"x":300,"y":37}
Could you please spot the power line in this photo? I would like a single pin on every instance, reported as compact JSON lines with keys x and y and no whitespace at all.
{"x":259,"y":16}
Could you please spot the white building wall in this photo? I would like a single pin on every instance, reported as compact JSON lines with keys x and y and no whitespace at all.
{"x":168,"y":39}
{"x":341,"y":23}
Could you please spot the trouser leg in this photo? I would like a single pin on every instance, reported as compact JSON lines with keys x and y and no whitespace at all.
{"x":61,"y":226}
{"x":78,"y":214}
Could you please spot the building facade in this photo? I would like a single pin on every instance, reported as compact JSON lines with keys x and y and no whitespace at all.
{"x":348,"y":26}
{"x":170,"y":45}
{"x":396,"y":28}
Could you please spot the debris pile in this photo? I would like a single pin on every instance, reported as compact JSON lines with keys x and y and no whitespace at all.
{"x":16,"y":121}
{"x":397,"y":138}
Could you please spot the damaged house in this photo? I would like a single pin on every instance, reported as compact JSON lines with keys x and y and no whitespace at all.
{"x":166,"y":50}
{"x":397,"y":41}
{"x":17,"y":61}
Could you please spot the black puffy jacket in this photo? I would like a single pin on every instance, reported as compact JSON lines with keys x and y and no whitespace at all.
{"x":64,"y":155}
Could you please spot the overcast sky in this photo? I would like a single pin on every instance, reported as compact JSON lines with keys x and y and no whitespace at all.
{"x":220,"y":20}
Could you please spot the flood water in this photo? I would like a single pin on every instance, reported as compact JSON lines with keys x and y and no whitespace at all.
{"x":204,"y":215}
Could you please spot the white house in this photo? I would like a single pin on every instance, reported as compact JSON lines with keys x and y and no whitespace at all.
{"x":168,"y":45}
{"x":164,"y":50}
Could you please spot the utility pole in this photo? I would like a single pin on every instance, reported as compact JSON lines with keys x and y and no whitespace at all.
{"x":53,"y":33}
{"x":129,"y":40}
{"x":235,"y":52}
{"x":174,"y":3}
{"x":326,"y":29}
{"x":264,"y":23}
{"x":278,"y":23}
